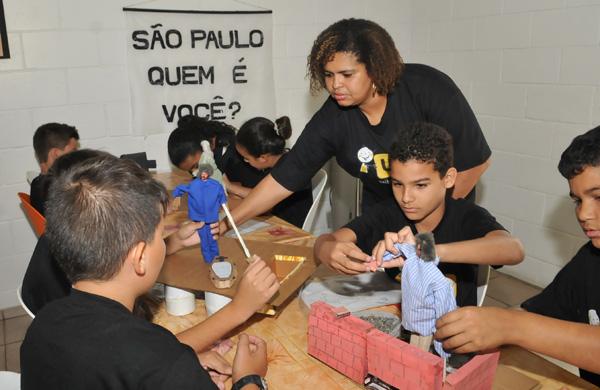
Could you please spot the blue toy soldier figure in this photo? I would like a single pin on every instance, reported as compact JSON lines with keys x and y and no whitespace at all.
{"x":205,"y":197}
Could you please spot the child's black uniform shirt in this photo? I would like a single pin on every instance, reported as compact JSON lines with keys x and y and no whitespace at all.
{"x":462,"y":221}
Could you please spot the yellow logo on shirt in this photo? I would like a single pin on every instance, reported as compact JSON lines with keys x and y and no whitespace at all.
{"x":382,"y":165}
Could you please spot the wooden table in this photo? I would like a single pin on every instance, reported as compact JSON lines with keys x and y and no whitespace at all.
{"x":290,"y":366}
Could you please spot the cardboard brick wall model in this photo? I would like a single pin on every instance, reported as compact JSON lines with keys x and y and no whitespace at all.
{"x":356,"y":348}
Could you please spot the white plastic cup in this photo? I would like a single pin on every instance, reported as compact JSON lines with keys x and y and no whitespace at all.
{"x":179,"y":302}
{"x":214,"y":302}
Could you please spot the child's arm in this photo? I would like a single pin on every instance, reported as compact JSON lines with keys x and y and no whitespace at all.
{"x":339,"y":252}
{"x":185,"y":236}
{"x":257,"y":286}
{"x":470,"y":329}
{"x":261,"y":199}
{"x":235,"y":188}
{"x":180,"y":190}
{"x":497,"y":247}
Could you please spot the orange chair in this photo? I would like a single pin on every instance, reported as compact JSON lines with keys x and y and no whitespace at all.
{"x":37,"y":220}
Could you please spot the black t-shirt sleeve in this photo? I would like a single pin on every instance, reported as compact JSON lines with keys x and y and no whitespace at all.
{"x":44,"y":280}
{"x":38,"y":193}
{"x":477,"y":222}
{"x":314,"y":147}
{"x":186,"y":373}
{"x":558,"y":299}
{"x":444,"y":104}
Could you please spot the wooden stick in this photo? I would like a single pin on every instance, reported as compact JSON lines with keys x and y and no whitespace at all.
{"x":237,"y":233}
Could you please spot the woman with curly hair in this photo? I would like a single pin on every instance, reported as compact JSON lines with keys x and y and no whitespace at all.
{"x":372,"y":94}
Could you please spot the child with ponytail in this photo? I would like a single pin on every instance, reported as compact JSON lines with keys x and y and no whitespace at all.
{"x":262,"y":145}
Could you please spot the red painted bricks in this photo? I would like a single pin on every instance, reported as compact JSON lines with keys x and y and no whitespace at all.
{"x":354,"y":348}
{"x":477,"y":373}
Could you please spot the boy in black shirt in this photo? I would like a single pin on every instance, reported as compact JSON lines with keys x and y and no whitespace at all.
{"x":421,"y":174}
{"x":105,"y":226}
{"x":573,"y":297}
{"x":50,"y":141}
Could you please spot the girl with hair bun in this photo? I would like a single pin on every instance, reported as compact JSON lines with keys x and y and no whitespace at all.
{"x":261,"y":143}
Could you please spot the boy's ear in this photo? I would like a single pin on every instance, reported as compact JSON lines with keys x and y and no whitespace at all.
{"x":53,"y":154}
{"x":137,"y":258}
{"x":450,"y":177}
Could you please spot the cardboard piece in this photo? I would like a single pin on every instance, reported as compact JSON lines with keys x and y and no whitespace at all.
{"x":509,"y":379}
{"x":278,"y":234}
{"x":186,"y":268}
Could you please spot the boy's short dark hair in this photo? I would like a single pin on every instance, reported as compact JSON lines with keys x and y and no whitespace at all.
{"x":52,"y":135}
{"x":191,"y":131}
{"x":584,"y":151}
{"x":182,"y":143}
{"x":424,"y":142}
{"x":97,"y":211}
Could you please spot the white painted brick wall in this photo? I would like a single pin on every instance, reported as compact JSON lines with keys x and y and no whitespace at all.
{"x":502,"y":31}
{"x":33,"y":89}
{"x":68,"y":65}
{"x":451,"y":35}
{"x":560,"y":103}
{"x":90,"y":117}
{"x":548,"y":91}
{"x":499,"y":99}
{"x":580,"y":65}
{"x":473,"y":8}
{"x":566,"y":27}
{"x":483,"y":65}
{"x":531,"y":65}
{"x":528,"y":67}
{"x":60,"y":49}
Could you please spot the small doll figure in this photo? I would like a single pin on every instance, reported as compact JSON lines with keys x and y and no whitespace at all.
{"x":208,"y":158}
{"x":426,"y":293}
{"x":205,"y":197}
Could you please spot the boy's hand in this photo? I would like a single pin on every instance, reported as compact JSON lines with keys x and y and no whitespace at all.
{"x":187,"y":233}
{"x":218,"y":368}
{"x":250,"y":358}
{"x":345,"y":257}
{"x":387,"y":244}
{"x":219,"y":228}
{"x":257,"y":285}
{"x":185,"y":236}
{"x":472,"y":329}
{"x":214,"y":230}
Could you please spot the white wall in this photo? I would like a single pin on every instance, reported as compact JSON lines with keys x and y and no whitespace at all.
{"x":68,"y":65}
{"x":529,"y":68}
{"x":531,"y":71}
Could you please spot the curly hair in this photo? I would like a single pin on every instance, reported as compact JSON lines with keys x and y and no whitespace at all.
{"x":584,"y":151}
{"x":368,"y":41}
{"x":424,"y":142}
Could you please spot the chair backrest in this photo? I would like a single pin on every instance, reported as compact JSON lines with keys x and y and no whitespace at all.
{"x":318,"y":185}
{"x":37,"y":220}
{"x":23,"y":305}
{"x":483,"y":278}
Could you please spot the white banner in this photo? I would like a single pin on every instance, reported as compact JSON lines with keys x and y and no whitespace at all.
{"x":214,"y":64}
